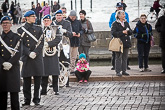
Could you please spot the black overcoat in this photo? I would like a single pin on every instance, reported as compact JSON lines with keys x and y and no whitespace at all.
{"x":51,"y":63}
{"x":32,"y":67}
{"x":160,"y":27}
{"x":10,"y":79}
{"x":117,"y":31}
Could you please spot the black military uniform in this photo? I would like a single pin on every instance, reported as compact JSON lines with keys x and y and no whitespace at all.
{"x":32,"y":67}
{"x":65,"y":25}
{"x":51,"y":63}
{"x":10,"y":79}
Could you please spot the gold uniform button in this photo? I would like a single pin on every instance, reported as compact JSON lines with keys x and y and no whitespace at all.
{"x":10,"y":40}
{"x":11,"y":45}
{"x":27,"y":36}
{"x":2,"y":50}
{"x":2,"y":54}
{"x":27,"y":40}
{"x":1,"y":45}
{"x":28,"y":44}
{"x":34,"y":31}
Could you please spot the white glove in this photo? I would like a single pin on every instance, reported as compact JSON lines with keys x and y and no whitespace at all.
{"x":7,"y":66}
{"x":32,"y":55}
{"x":62,"y":30}
{"x":46,"y":44}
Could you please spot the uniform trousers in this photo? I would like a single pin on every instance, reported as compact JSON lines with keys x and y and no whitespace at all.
{"x":55,"y":83}
{"x":27,"y":89}
{"x":14,"y":99}
{"x":81,"y":75}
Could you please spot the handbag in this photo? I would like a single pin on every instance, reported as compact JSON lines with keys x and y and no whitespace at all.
{"x":91,"y":37}
{"x":116,"y":45}
{"x":152,"y":42}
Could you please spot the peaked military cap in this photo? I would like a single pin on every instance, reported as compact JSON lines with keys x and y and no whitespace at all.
{"x":47,"y":17}
{"x":5,"y":18}
{"x":28,"y":13}
{"x":58,"y":12}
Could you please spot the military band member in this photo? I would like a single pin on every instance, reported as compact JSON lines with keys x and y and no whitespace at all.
{"x":32,"y":58}
{"x":10,"y":52}
{"x":66,"y":29}
{"x":52,"y":38}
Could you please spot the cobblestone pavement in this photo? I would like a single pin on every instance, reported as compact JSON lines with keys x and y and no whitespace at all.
{"x":124,"y":95}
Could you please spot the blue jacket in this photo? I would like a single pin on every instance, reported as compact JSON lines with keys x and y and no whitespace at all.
{"x":113,"y":18}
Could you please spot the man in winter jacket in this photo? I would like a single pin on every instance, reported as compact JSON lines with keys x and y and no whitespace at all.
{"x":160,"y":27}
{"x":75,"y":40}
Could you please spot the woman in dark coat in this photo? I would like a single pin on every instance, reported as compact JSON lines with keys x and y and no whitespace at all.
{"x":121,"y":29}
{"x":12,"y":9}
{"x":38,"y":14}
{"x":143,"y":33}
{"x":160,"y":27}
{"x":85,"y":44}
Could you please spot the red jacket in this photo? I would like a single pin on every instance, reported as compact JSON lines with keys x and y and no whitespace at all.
{"x":156,"y":5}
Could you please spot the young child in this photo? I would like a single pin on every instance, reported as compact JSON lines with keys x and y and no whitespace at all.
{"x":82,"y":69}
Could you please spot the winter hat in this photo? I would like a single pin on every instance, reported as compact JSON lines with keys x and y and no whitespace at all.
{"x":72,"y":13}
{"x":119,"y":4}
{"x":82,"y":55}
{"x":83,"y":12}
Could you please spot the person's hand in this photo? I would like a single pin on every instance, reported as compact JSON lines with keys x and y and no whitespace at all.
{"x":125,"y":32}
{"x":74,"y":34}
{"x":62,"y":30}
{"x":7,"y":66}
{"x":78,"y":35}
{"x":32,"y":55}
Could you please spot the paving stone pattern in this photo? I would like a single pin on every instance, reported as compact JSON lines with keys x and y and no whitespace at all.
{"x":110,"y":95}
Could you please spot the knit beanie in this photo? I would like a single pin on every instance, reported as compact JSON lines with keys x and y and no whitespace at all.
{"x":72,"y":13}
{"x":82,"y":55}
{"x":83,"y":12}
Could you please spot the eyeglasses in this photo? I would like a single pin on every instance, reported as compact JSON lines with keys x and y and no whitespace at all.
{"x":5,"y":23}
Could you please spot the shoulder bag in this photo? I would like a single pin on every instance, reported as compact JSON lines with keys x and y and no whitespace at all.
{"x":91,"y":36}
{"x":116,"y":45}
